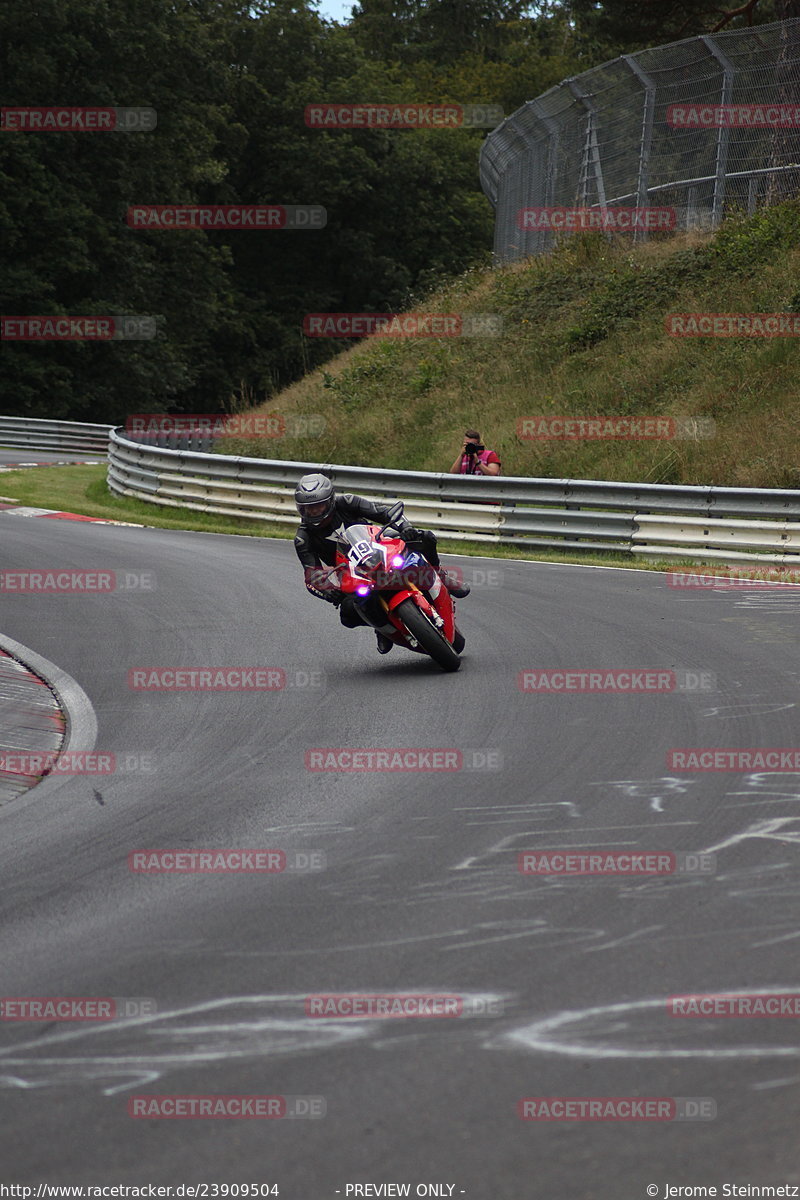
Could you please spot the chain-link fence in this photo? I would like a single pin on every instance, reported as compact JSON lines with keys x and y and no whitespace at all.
{"x":681,"y":133}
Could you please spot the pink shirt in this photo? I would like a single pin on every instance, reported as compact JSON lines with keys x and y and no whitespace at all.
{"x":485,"y":456}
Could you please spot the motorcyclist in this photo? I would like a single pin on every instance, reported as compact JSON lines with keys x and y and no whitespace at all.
{"x":324,"y":516}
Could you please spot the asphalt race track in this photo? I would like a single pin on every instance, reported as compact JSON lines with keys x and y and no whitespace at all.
{"x":562,"y":981}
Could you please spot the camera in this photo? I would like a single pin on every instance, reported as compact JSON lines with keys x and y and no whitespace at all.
{"x":473,"y":448}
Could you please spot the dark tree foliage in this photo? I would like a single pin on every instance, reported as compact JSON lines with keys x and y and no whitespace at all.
{"x":230,"y":81}
{"x":439,"y":31}
{"x":67,"y":248}
{"x":635,"y":24}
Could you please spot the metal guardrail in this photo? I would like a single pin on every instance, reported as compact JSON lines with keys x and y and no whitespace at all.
{"x":626,"y":133}
{"x":655,"y":520}
{"x":54,"y":435}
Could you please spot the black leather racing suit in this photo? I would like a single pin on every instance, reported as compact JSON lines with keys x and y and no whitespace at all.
{"x":316,"y":549}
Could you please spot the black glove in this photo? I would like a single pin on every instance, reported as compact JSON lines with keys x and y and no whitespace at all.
{"x":411,"y":534}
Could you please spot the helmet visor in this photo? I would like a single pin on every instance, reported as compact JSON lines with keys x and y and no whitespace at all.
{"x":315,"y":510}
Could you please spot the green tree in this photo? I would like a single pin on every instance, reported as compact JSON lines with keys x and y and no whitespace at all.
{"x":230,"y":82}
{"x":634,"y":24}
{"x":67,"y":246}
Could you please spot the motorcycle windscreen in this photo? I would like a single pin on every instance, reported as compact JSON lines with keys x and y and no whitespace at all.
{"x":357,"y":533}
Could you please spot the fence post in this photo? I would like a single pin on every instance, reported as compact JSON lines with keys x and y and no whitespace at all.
{"x":551,"y":165}
{"x":753,"y":184}
{"x":723,"y":133}
{"x":648,"y":111}
{"x":591,"y":149}
{"x":527,"y":197}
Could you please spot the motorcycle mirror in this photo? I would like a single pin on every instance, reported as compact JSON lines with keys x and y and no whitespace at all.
{"x":395,"y":512}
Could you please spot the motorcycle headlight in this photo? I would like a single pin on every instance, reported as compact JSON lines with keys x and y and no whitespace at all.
{"x":371,"y":561}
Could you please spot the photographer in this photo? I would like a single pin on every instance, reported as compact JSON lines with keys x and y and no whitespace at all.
{"x":474,"y":458}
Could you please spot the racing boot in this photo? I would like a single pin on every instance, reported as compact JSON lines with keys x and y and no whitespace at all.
{"x":384,"y":644}
{"x":459,"y":590}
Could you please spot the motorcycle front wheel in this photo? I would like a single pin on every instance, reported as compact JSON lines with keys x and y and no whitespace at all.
{"x":428,"y":636}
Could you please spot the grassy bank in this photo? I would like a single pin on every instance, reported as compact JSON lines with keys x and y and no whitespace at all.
{"x":583,"y":335}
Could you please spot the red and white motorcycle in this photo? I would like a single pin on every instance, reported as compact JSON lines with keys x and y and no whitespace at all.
{"x":414,"y":598}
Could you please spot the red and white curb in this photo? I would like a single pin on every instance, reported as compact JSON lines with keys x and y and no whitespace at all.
{"x":22,"y":510}
{"x":32,"y":719}
{"x":43,"y":711}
